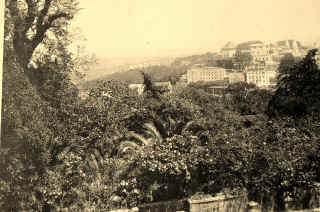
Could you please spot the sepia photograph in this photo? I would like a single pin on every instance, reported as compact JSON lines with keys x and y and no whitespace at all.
{"x":160,"y":106}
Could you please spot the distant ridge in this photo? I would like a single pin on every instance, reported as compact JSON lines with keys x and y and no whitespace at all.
{"x":290,"y":43}
{"x":230,"y":45}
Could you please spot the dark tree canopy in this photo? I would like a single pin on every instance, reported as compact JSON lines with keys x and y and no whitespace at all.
{"x":35,"y":22}
{"x":298,"y":88}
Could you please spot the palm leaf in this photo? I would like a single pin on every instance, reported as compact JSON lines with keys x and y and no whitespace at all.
{"x":94,"y":162}
{"x":98,"y":156}
{"x":64,"y":152}
{"x":187,"y":126}
{"x":139,"y":138}
{"x":127,"y":145}
{"x":150,"y":126}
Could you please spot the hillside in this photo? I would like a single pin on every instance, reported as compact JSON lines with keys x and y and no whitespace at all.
{"x":157,"y":73}
{"x":168,"y":69}
{"x":160,"y":73}
{"x":109,"y":65}
{"x":207,"y":59}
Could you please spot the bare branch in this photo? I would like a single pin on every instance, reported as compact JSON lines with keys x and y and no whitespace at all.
{"x":43,"y":13}
{"x":31,"y":15}
{"x":13,"y":7}
{"x":54,"y":17}
{"x":43,"y":28}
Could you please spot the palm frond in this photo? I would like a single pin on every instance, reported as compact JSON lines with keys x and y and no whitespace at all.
{"x":98,"y":156}
{"x":127,"y":145}
{"x":140,"y":138}
{"x":63,"y":152}
{"x":187,"y":126}
{"x":151,"y":127}
{"x":94,"y":162}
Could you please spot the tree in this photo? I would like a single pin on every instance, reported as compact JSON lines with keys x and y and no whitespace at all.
{"x":247,"y":98}
{"x":39,"y":35}
{"x":39,"y":100}
{"x":24,"y":137}
{"x":286,"y":62}
{"x":281,"y":161}
{"x":149,"y":87}
{"x":298,"y":87}
{"x":34,"y":23}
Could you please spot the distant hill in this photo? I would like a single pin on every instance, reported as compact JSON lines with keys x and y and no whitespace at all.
{"x":107,"y":66}
{"x":157,"y":74}
{"x":289,"y":44}
{"x":245,"y":45}
{"x":207,"y":59}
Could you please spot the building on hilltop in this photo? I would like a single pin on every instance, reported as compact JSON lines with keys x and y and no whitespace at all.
{"x":257,"y":66}
{"x":183,"y":78}
{"x":217,"y":88}
{"x":137,"y":87}
{"x":83,"y":94}
{"x":289,"y":47}
{"x":229,"y":50}
{"x":163,"y":87}
{"x":268,"y":53}
{"x":234,"y":77}
{"x":260,"y":78}
{"x":205,"y":74}
{"x":259,"y":51}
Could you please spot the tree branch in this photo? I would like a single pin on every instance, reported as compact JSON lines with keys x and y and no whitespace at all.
{"x":13,"y":8}
{"x":43,"y":13}
{"x":41,"y":31}
{"x":54,"y":17}
{"x":31,"y":15}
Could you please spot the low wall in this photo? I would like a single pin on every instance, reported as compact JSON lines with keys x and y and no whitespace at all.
{"x":221,"y":203}
{"x":165,"y":206}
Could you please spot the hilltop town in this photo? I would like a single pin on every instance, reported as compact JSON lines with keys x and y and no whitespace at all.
{"x":253,"y":62}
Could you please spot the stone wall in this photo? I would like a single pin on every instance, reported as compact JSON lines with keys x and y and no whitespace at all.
{"x":223,"y":203}
{"x":166,"y":206}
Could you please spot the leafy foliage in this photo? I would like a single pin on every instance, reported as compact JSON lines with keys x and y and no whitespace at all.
{"x":247,"y":99}
{"x":297,"y":89}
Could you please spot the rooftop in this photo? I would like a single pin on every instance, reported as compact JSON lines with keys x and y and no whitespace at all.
{"x":162,"y":83}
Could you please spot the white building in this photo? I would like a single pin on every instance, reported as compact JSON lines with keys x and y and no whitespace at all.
{"x":205,"y":74}
{"x":138,"y":87}
{"x":263,"y":78}
{"x":229,"y":50}
{"x":234,"y":77}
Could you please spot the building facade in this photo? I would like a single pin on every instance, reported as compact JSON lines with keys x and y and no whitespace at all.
{"x":229,"y":50}
{"x":138,"y":87}
{"x":234,"y":77}
{"x":163,"y":87}
{"x":268,"y":53}
{"x":263,"y":78}
{"x":205,"y":74}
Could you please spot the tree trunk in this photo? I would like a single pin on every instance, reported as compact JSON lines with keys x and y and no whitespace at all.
{"x":279,"y":202}
{"x":306,"y":199}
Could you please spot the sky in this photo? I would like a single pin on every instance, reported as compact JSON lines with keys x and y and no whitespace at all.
{"x":148,"y":28}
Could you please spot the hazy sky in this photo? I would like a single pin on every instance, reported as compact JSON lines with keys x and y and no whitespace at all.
{"x":163,"y":27}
